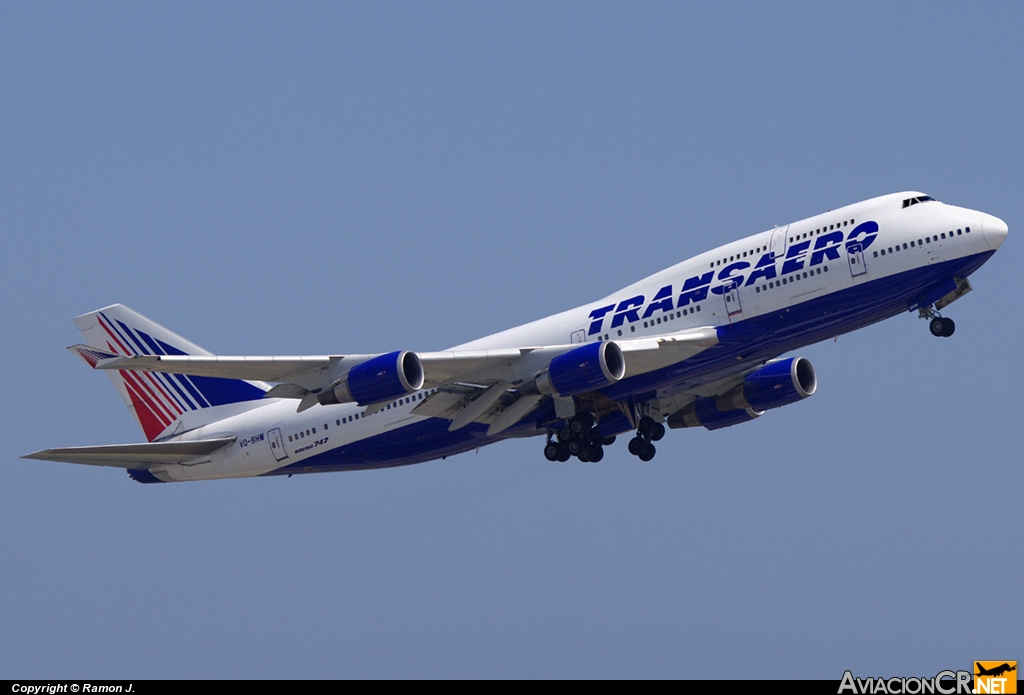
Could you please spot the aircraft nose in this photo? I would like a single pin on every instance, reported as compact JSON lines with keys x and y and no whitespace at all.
{"x":995,"y":231}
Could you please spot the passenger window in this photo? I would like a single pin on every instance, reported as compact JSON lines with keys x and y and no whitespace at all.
{"x":632,"y":329}
{"x":959,"y":233}
{"x":698,"y":307}
{"x":967,"y":229}
{"x":876,"y":254}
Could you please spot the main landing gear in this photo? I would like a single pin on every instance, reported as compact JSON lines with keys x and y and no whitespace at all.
{"x":580,"y":438}
{"x":647,"y":431}
{"x":938,"y":326}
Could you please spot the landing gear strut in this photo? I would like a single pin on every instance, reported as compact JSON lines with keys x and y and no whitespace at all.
{"x":647,"y":431}
{"x":938,"y":326}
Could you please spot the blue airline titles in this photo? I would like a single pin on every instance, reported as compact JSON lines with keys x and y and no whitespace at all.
{"x":703,"y":351}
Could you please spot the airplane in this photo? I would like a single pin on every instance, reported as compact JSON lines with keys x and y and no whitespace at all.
{"x":699,"y":344}
{"x":995,"y":671}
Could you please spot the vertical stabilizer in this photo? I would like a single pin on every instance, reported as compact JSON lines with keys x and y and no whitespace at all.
{"x":158,"y":401}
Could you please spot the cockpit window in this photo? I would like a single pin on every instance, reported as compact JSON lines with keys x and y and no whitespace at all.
{"x":920,"y":199}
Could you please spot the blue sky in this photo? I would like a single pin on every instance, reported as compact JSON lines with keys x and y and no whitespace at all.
{"x":270,"y":179}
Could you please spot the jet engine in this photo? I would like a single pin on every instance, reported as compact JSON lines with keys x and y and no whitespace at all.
{"x":774,"y":385}
{"x":378,"y":379}
{"x":578,"y":371}
{"x":705,"y":413}
{"x":778,"y":383}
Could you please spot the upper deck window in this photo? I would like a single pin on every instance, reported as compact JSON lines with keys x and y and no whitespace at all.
{"x":920,"y":199}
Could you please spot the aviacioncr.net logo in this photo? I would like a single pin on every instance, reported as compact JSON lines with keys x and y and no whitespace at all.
{"x":944,"y":683}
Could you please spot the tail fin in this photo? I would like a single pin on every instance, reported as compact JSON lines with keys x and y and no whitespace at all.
{"x":158,"y":401}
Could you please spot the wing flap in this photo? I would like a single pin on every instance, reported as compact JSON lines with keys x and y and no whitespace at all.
{"x":139,"y":456}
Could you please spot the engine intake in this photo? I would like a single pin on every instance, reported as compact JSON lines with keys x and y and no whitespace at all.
{"x":378,"y":379}
{"x":776,"y":384}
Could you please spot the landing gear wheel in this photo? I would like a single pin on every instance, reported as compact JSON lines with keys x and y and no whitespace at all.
{"x":584,"y":455}
{"x":552,"y":451}
{"x":636,"y":445}
{"x":657,"y":432}
{"x":648,"y":453}
{"x":950,"y":327}
{"x":576,"y":426}
{"x":608,"y":441}
{"x":574,"y":447}
{"x":645,"y":426}
{"x":563,"y":455}
{"x":564,"y":435}
{"x":596,"y":455}
{"x":937,"y":326}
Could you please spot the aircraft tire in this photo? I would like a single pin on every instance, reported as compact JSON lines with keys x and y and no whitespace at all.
{"x":576,"y":426}
{"x":636,"y":445}
{"x":608,"y":441}
{"x":552,"y":451}
{"x":596,"y":455}
{"x":648,"y":453}
{"x":950,"y":327}
{"x":645,"y":426}
{"x":574,"y":448}
{"x":563,"y":455}
{"x":938,"y":327}
{"x":564,"y":435}
{"x":657,"y":432}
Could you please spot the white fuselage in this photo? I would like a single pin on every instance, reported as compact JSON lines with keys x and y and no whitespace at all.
{"x":746,"y":282}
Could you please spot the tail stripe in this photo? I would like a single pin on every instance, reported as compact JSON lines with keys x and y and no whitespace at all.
{"x":103,"y":322}
{"x":111,"y":329}
{"x":127,"y":331}
{"x":174,"y":383}
{"x":149,"y":396}
{"x":180,"y":378}
{"x":140,"y":397}
{"x":140,"y":382}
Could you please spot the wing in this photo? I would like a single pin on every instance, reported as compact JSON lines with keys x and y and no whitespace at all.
{"x":472,"y":385}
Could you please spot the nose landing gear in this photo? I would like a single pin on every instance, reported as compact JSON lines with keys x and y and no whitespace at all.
{"x":941,"y":327}
{"x":938,"y":326}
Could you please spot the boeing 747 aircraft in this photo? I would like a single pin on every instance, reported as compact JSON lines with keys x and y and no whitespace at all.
{"x":696,"y":345}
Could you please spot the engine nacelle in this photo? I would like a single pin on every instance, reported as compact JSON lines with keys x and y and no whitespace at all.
{"x":776,"y":384}
{"x":379,"y":379}
{"x":704,"y":412}
{"x":584,"y":369}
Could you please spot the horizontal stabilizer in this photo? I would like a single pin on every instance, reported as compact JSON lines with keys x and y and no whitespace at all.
{"x":92,"y":356}
{"x":138,"y":456}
